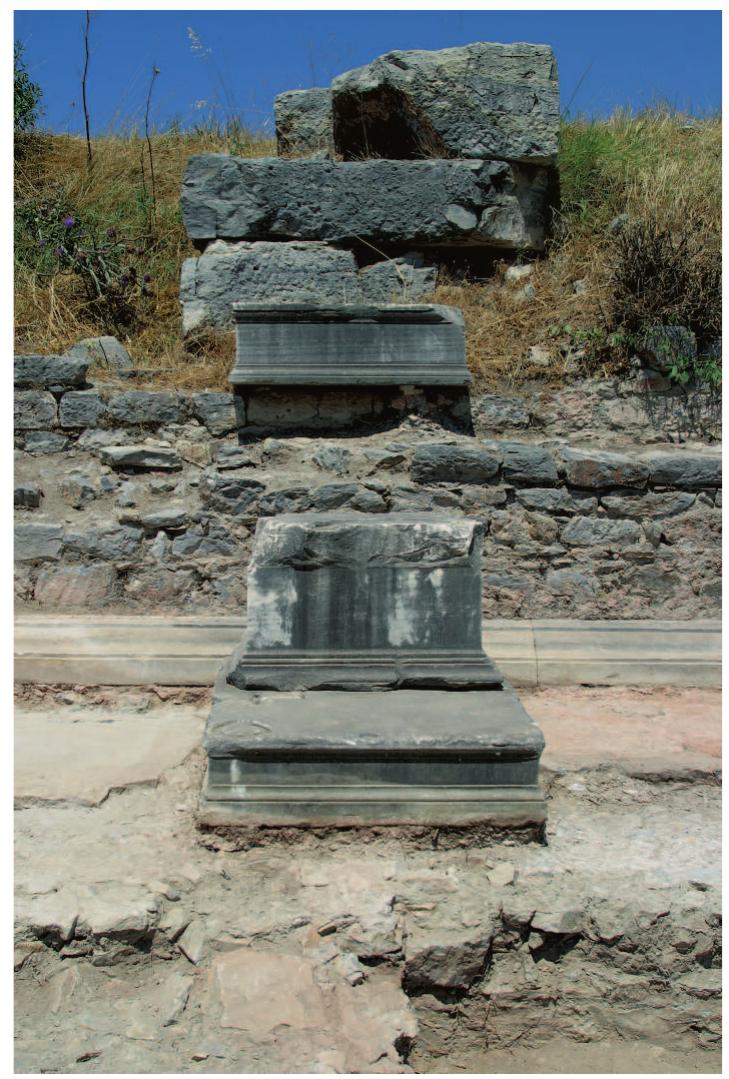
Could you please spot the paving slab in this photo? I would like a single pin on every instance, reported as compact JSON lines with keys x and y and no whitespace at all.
{"x":76,"y":756}
{"x":666,"y":732}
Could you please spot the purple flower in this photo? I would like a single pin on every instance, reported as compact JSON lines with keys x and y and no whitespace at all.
{"x":43,"y":243}
{"x":147,"y":278}
{"x":69,"y":222}
{"x":111,"y":233}
{"x":60,"y":251}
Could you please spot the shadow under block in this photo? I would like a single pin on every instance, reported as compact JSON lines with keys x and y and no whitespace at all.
{"x":430,"y":757}
{"x":349,"y":345}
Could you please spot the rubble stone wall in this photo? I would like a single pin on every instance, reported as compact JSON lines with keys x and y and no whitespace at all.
{"x":147,"y":500}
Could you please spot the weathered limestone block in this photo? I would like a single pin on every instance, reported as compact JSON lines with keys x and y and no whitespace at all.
{"x":297,"y":272}
{"x":37,"y":442}
{"x":46,"y":371}
{"x":141,"y":458}
{"x":525,"y":463}
{"x":459,"y":463}
{"x":104,"y":352}
{"x":690,"y":470}
{"x":34,"y":410}
{"x":80,"y":408}
{"x":600,"y":532}
{"x":147,"y":406}
{"x":483,"y":100}
{"x":349,"y":345}
{"x":342,"y":601}
{"x":303,"y":121}
{"x":428,"y":203}
{"x":217,"y":411}
{"x":38,"y":542}
{"x":599,"y":469}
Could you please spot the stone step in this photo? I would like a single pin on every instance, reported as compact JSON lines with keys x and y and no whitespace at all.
{"x":188,"y":650}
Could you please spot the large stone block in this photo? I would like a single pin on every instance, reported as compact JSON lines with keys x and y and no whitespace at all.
{"x":421,"y":203}
{"x":81,"y":408}
{"x":147,"y":406}
{"x":56,"y":371}
{"x":691,"y":470}
{"x":38,"y":542}
{"x":304,"y":121}
{"x":441,"y":462}
{"x":34,"y":410}
{"x":348,"y":601}
{"x":349,"y":345}
{"x":297,"y":272}
{"x":483,"y":100}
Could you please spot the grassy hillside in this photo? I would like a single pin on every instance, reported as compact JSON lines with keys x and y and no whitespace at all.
{"x":99,"y":249}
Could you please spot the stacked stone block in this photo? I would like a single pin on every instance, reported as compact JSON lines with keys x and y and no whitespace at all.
{"x":417,"y":155}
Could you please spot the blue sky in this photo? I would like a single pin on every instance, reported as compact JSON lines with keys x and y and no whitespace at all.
{"x":242,"y":59}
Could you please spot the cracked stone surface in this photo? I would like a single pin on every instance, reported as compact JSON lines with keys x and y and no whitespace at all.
{"x":143,"y":945}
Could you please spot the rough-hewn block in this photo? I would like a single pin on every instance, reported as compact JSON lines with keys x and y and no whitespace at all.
{"x":483,"y":100}
{"x":428,"y":203}
{"x":142,"y":458}
{"x":303,"y":121}
{"x":444,"y":463}
{"x":297,"y":272}
{"x":34,"y":410}
{"x":60,"y":371}
{"x":690,"y":470}
{"x":147,"y":406}
{"x":218,"y":411}
{"x":80,"y":408}
{"x":37,"y":542}
{"x":599,"y":469}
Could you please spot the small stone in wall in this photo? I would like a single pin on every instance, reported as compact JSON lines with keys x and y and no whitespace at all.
{"x":142,"y":458}
{"x":111,"y":543}
{"x":220,"y":412}
{"x":384,"y":460}
{"x":494,"y":413}
{"x":229,"y":457}
{"x":689,"y":470}
{"x":526,"y":463}
{"x":37,"y":442}
{"x":34,"y":410}
{"x":77,"y":490}
{"x":147,"y":406}
{"x":38,"y":542}
{"x":599,"y":469}
{"x":80,"y":408}
{"x":457,"y":463}
{"x":27,"y":496}
{"x":600,"y":532}
{"x":67,"y":587}
{"x":333,"y":459}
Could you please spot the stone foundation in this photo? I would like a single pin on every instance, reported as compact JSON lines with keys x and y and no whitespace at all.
{"x":146,"y":500}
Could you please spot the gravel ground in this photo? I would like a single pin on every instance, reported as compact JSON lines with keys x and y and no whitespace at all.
{"x":143,"y":945}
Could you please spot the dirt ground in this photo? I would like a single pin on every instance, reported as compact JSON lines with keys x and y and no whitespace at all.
{"x":146,"y":946}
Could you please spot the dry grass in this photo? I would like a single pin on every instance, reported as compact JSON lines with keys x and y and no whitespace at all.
{"x":661,"y":169}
